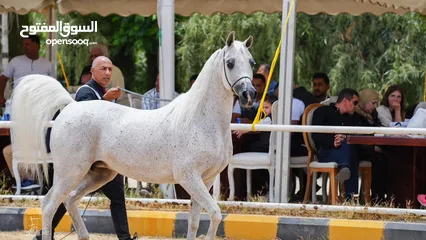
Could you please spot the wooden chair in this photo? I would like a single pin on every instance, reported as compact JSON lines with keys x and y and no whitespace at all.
{"x":328,"y":168}
{"x":313,"y":165}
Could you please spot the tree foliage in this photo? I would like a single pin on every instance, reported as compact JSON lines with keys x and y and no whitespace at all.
{"x":360,"y":52}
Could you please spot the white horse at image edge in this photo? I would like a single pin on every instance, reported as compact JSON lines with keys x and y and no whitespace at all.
{"x":187,"y":142}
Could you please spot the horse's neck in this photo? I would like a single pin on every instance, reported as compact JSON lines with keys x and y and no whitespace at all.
{"x":217,"y":103}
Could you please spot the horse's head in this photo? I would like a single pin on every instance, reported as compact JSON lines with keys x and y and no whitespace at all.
{"x":238,"y":72}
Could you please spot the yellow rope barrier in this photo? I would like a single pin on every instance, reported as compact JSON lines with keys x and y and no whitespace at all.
{"x":63,"y":70}
{"x":257,"y":119}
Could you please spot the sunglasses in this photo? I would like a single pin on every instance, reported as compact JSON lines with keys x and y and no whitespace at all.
{"x":356,"y":103}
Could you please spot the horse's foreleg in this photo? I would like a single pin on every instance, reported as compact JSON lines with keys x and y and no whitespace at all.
{"x":194,"y":216}
{"x":91,"y":182}
{"x":194,"y":185}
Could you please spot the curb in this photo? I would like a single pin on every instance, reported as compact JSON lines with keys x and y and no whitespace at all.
{"x":233,"y":226}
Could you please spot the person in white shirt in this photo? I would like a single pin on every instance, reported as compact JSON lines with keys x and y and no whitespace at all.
{"x":18,"y":67}
{"x":29,"y":63}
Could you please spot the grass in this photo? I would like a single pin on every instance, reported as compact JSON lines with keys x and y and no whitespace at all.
{"x":4,"y":190}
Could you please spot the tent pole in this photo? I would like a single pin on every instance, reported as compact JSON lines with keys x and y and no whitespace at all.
{"x":5,"y":49}
{"x":167,"y":48}
{"x":51,"y":54}
{"x":282,"y":170}
{"x":166,"y":22}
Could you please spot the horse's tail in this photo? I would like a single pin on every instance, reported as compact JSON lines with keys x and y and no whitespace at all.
{"x":35,"y":101}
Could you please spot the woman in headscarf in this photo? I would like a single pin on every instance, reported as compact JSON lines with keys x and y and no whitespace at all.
{"x":368,"y":101}
{"x":368,"y":117}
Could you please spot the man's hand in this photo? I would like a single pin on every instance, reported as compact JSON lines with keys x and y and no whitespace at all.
{"x":112,"y":94}
{"x":239,"y":133}
{"x":338,"y":139}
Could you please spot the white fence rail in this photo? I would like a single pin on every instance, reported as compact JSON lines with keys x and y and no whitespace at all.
{"x":301,"y":128}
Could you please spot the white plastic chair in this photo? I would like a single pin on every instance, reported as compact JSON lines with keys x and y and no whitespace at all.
{"x":15,"y":166}
{"x":261,"y":160}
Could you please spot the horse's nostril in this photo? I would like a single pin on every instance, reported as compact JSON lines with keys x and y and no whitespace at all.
{"x":245,"y":95}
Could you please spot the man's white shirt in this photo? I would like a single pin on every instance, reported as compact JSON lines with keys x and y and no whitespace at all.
{"x":21,"y":66}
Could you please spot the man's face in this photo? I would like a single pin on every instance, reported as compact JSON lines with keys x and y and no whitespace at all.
{"x":351,"y":104}
{"x":259,"y":85}
{"x":102,"y":73}
{"x":319,"y":87}
{"x":30,"y":47}
{"x":94,"y":53}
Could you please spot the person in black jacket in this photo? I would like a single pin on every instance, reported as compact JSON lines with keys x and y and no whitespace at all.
{"x":95,"y":89}
{"x":333,"y":147}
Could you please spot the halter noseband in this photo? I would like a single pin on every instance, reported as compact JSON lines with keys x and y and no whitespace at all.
{"x":239,"y":79}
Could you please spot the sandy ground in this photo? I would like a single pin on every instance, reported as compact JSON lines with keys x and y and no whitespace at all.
{"x":27,"y":235}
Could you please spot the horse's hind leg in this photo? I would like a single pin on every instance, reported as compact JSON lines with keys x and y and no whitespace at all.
{"x":65,"y":179}
{"x":91,"y":182}
{"x":194,"y":216}
{"x":194,"y":185}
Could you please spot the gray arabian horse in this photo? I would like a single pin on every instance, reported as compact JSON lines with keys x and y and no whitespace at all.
{"x":187,"y":142}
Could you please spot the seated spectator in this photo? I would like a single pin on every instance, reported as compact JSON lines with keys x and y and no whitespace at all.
{"x":18,"y":67}
{"x":28,"y":181}
{"x":320,"y":86}
{"x":333,"y":147}
{"x":264,"y":69}
{"x":392,"y":107}
{"x":304,"y":95}
{"x":150,"y":98}
{"x":263,"y":144}
{"x":367,"y":116}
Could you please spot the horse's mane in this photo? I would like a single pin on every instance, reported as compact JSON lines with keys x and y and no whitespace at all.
{"x":189,"y":104}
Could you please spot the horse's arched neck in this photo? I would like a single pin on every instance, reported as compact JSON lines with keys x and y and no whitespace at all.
{"x":216,"y":98}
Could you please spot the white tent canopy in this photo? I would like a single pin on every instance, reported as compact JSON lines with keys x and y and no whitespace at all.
{"x":207,"y":7}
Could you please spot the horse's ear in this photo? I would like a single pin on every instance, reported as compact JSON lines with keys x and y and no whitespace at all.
{"x":230,"y":39}
{"x":249,"y":41}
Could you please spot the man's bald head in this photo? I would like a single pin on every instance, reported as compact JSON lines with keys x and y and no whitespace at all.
{"x":102,"y":70}
{"x":100,"y":59}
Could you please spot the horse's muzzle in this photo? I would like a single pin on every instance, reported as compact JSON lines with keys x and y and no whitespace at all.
{"x":247,"y":96}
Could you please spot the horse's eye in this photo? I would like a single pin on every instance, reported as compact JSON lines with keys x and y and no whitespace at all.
{"x":252,"y":62}
{"x":230,"y":63}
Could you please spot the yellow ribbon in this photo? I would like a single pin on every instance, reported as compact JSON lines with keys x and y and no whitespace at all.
{"x":257,"y":119}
